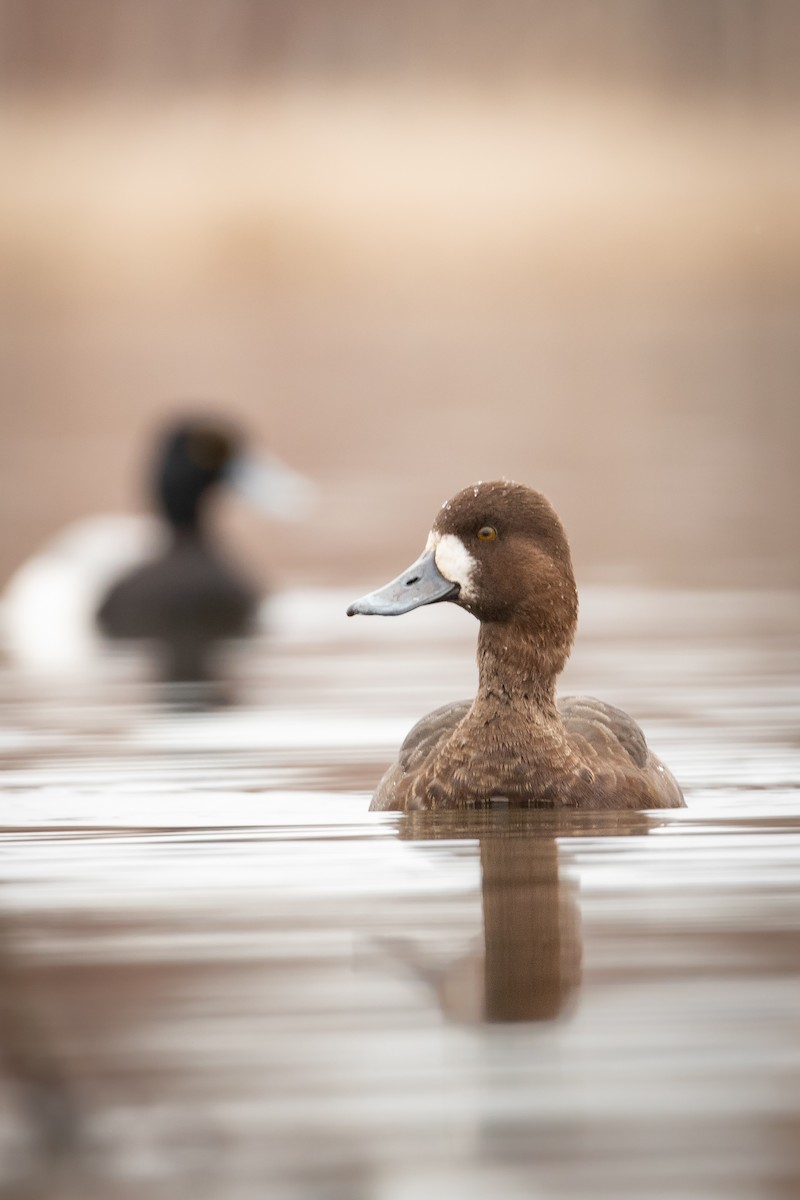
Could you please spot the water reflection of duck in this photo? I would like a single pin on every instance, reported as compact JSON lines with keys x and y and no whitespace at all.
{"x":499,"y":550}
{"x":165,"y":581}
{"x":527,"y":966}
{"x":31,"y":1061}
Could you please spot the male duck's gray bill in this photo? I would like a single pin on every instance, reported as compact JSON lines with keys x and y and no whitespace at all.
{"x":272,"y":487}
{"x":421,"y":584}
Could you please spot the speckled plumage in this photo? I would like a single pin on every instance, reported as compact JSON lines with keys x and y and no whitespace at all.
{"x":594,"y":757}
{"x":514,"y":743}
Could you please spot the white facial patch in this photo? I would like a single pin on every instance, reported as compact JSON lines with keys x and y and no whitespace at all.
{"x":453,"y":560}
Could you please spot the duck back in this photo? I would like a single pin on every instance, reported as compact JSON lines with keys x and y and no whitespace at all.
{"x":186,"y":600}
{"x":618,"y":770}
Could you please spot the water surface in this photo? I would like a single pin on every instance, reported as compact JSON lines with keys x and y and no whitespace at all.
{"x":222,"y":977}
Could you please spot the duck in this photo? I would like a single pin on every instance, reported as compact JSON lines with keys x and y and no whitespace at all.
{"x":189,"y":598}
{"x":499,"y":551}
{"x":163,"y":578}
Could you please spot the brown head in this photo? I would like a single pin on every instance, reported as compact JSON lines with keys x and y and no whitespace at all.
{"x":498,"y":550}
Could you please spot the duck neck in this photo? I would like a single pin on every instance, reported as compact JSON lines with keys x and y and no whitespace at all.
{"x":517,"y":669}
{"x":183,"y":534}
{"x":182,"y":499}
{"x":185,"y":517}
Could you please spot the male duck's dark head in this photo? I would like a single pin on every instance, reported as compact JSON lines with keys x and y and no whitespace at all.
{"x":197,"y":455}
{"x":498,"y":550}
{"x":192,"y":459}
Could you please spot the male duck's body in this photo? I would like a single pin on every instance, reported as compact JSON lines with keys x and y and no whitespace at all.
{"x":499,"y":550}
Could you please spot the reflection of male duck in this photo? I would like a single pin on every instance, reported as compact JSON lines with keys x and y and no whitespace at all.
{"x":30,"y":1061}
{"x":527,"y":967}
{"x":166,"y":582}
{"x":498,"y":550}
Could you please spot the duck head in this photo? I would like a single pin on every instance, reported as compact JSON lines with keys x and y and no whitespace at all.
{"x":192,"y":459}
{"x":499,"y":551}
{"x":197,"y":455}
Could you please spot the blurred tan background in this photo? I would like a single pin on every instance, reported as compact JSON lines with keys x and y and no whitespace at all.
{"x":410,"y":245}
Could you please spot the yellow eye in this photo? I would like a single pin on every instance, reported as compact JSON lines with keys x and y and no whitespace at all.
{"x":487,"y":534}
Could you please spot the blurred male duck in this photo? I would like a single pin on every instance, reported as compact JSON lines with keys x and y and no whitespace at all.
{"x":189,"y":597}
{"x":167,"y":582}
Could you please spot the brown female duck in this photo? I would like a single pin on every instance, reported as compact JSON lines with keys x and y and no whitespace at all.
{"x":499,"y":551}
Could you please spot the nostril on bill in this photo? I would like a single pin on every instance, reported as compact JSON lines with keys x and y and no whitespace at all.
{"x":413,"y":579}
